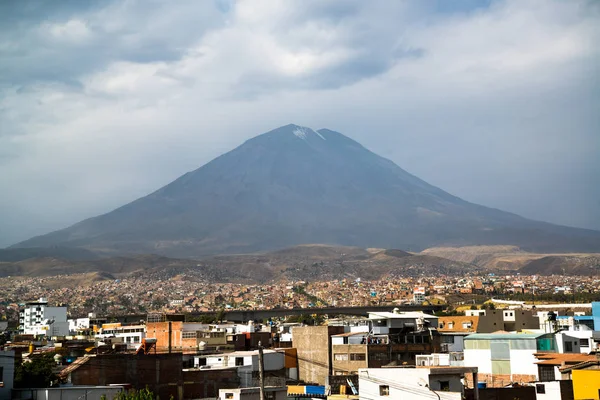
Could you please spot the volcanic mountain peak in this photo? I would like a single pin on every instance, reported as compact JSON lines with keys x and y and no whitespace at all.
{"x":295,"y":185}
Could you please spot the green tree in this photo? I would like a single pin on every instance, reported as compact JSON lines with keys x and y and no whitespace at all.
{"x":37,"y":373}
{"x":144,"y":394}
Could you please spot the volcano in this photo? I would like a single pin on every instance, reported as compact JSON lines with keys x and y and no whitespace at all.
{"x":295,"y":185}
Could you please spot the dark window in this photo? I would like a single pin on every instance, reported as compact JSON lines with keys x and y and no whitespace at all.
{"x":384,"y":390}
{"x":584,"y":342}
{"x":546,"y":373}
{"x":445,"y":386}
{"x":357,"y":357}
{"x":568,"y":346}
{"x":229,"y":395}
{"x":447,"y":339}
{"x":270,"y":395}
{"x":540,"y":388}
{"x":239,"y":361}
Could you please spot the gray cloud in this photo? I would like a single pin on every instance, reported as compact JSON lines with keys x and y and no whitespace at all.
{"x":103,"y":102}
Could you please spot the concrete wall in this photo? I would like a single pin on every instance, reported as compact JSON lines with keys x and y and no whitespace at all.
{"x":522,"y":362}
{"x":457,"y":346}
{"x":7,"y":365}
{"x":313,"y":345}
{"x":201,"y":384}
{"x":162,"y":373}
{"x":69,"y":393}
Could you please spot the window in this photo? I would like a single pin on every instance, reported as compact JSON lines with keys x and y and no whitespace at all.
{"x":447,"y":339}
{"x":357,"y":357}
{"x":584,"y":343}
{"x":540,"y":388}
{"x":546,"y":373}
{"x":239,"y":361}
{"x":378,"y":356}
{"x":466,"y":325}
{"x":270,"y":395}
{"x":340,"y":357}
{"x":445,"y":386}
{"x":384,"y":390}
{"x":229,"y":395}
{"x":568,"y":346}
{"x":188,"y":335}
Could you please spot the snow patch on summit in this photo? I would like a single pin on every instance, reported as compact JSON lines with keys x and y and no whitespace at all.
{"x":302,"y":132}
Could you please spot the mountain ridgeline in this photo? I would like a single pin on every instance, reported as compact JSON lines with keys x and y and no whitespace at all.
{"x":294,"y":185}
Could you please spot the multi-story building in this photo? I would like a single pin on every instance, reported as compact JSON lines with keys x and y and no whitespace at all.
{"x":509,"y":320}
{"x":247,"y":365}
{"x":419,"y":295}
{"x":506,"y":358}
{"x":393,"y":338}
{"x":37,"y":318}
{"x":131,"y":335}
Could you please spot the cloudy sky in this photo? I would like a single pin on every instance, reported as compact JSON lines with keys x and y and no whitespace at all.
{"x":102,"y":102}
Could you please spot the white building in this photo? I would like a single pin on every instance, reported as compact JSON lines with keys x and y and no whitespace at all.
{"x":78,"y":324}
{"x":444,"y":383}
{"x":246,"y":363}
{"x":419,"y":295}
{"x":382,"y":322}
{"x":273,"y":360}
{"x":131,"y":335}
{"x":504,"y":358}
{"x":37,"y":318}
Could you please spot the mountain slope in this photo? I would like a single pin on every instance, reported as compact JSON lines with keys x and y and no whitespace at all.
{"x":306,"y":262}
{"x":294,"y":185}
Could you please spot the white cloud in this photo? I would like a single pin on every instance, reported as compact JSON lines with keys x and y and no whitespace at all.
{"x":481,"y":103}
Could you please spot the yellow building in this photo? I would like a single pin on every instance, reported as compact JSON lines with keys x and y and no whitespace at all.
{"x":586,"y":384}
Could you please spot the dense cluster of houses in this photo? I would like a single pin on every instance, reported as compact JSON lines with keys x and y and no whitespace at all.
{"x":500,"y":353}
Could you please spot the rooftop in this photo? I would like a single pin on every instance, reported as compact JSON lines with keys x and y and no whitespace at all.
{"x":509,"y":336}
{"x":563,"y":358}
{"x":400,"y":315}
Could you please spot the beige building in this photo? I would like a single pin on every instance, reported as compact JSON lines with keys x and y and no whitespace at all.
{"x":313,"y":345}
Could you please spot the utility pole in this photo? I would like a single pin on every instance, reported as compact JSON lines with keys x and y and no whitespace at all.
{"x":261,"y":371}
